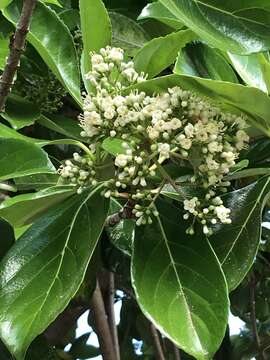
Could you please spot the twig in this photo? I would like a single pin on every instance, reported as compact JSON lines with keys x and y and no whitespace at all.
{"x":102,"y":325}
{"x":157,"y":344}
{"x":253,"y":317}
{"x":177,"y":355}
{"x":125,"y":213}
{"x":17,"y":45}
{"x":111,"y":314}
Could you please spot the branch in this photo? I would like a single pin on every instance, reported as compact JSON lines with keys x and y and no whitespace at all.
{"x":17,"y":45}
{"x":125,"y":213}
{"x":111,"y":314}
{"x":253,"y":317}
{"x":176,"y":351}
{"x":157,"y":344}
{"x":102,"y":326}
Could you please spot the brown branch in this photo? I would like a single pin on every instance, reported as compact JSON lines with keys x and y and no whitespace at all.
{"x":253,"y":318}
{"x":157,"y":344}
{"x":102,"y":325}
{"x":125,"y":213}
{"x":17,"y":46}
{"x":111,"y":314}
{"x":176,"y":351}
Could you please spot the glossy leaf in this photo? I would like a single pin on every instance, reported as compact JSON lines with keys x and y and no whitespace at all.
{"x":45,"y":268}
{"x":127,"y":34}
{"x":7,"y":237}
{"x":161,"y":52}
{"x":62,"y":125}
{"x":53,"y":41}
{"x":200,"y":60}
{"x":20,"y":112}
{"x":253,"y":102}
{"x":4,"y":50}
{"x":36,"y":181}
{"x":214,"y":21}
{"x":23,"y":209}
{"x":179,"y":284}
{"x":249,"y":69}
{"x":4,"y":3}
{"x":7,"y":132}
{"x":236,"y":245}
{"x":96,"y":30}
{"x":159,"y":12}
{"x":113,"y":146}
{"x":19,"y":157}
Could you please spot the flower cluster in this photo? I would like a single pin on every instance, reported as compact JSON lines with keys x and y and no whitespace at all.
{"x":173,"y":125}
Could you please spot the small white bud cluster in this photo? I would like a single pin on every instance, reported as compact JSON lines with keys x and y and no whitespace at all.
{"x":80,"y":172}
{"x":176,"y":124}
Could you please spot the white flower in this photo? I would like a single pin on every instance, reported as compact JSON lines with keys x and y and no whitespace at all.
{"x":116,"y":54}
{"x":189,"y":130}
{"x":214,"y":146}
{"x":190,"y":205}
{"x":164,"y":150}
{"x":223,"y":214}
{"x":185,"y":143}
{"x":121,"y":160}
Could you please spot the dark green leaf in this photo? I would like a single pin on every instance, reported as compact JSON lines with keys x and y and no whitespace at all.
{"x":36,"y":181}
{"x":7,"y":132}
{"x":80,"y":349}
{"x":63,"y":125}
{"x":161,"y":52}
{"x":44,"y":269}
{"x":7,"y":237}
{"x":4,"y":50}
{"x":221,"y":27}
{"x":159,"y":12}
{"x":200,"y":60}
{"x":23,"y":209}
{"x":236,"y":245}
{"x":20,"y":112}
{"x":179,"y":284}
{"x":19,"y":158}
{"x":127,"y":34}
{"x":53,"y":41}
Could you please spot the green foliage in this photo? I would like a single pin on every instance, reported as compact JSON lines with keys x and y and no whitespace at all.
{"x":57,"y":239}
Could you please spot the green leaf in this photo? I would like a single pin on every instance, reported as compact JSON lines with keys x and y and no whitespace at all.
{"x":36,"y":181}
{"x":159,"y":12}
{"x":7,"y":132}
{"x":19,"y":158}
{"x":200,"y":60}
{"x":161,"y":52}
{"x":4,"y":50}
{"x":20,"y":112}
{"x":80,"y":349}
{"x":7,"y":237}
{"x":251,"y":101}
{"x":236,"y":245}
{"x":53,"y":2}
{"x":179,"y":284}
{"x":23,"y":209}
{"x":214,"y":21}
{"x":53,"y":41}
{"x":114,"y":146}
{"x":96,"y":30}
{"x":127,"y":34}
{"x":62,"y":125}
{"x":4,"y":3}
{"x":249,"y":69}
{"x":45,"y":268}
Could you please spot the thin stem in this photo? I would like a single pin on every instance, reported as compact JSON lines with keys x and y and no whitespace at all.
{"x":125,"y":213}
{"x":157,"y":344}
{"x":102,"y":325}
{"x":71,"y":142}
{"x":253,"y":317}
{"x":17,"y":46}
{"x":176,"y":351}
{"x":111,"y":315}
